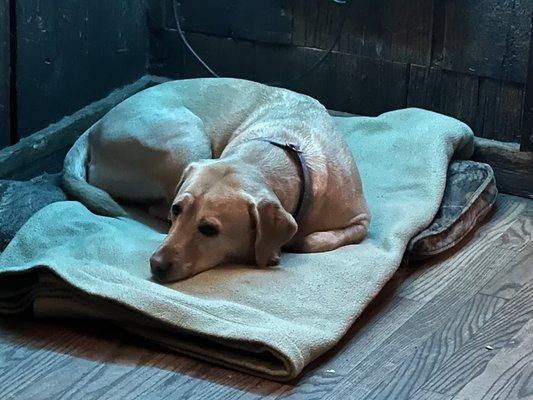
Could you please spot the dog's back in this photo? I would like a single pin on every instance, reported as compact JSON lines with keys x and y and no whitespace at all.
{"x":139,"y":150}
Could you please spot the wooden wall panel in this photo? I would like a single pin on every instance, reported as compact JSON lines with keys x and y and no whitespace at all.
{"x":465,"y":59}
{"x":500,"y":106}
{"x":343,"y":81}
{"x":4,"y":74}
{"x":359,"y":85}
{"x":488,"y":38}
{"x":398,"y":31}
{"x":492,"y":108}
{"x":73,"y":52}
{"x":261,"y":20}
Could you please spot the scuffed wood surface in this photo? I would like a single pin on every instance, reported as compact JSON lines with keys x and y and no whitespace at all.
{"x":71,"y":53}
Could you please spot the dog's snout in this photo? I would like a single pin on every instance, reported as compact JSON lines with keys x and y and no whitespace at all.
{"x":160,"y":263}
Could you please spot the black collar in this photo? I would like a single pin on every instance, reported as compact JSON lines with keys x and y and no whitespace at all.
{"x":305,"y":191}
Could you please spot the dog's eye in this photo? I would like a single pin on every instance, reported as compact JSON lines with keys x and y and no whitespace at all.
{"x":176,"y":210}
{"x":208,"y":230}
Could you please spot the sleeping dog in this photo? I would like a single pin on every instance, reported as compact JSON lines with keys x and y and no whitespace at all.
{"x":241,"y":169}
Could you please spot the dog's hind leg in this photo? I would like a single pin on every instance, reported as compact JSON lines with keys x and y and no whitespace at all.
{"x":329,"y":240}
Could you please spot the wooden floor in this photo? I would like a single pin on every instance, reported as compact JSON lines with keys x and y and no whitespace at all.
{"x":459,"y":327}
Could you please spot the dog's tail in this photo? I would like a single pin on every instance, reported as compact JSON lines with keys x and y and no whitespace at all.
{"x":75,"y":181}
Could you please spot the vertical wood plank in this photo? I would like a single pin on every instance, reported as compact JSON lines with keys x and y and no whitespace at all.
{"x":70,"y":53}
{"x":4,"y":74}
{"x":485,"y":37}
{"x":398,"y":31}
{"x":499,"y":110}
{"x":261,"y":20}
{"x":509,"y":374}
{"x":472,"y":359}
{"x":445,"y":92}
{"x":526,"y":143}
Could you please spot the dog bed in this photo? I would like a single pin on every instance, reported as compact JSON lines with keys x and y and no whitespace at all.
{"x":469,"y":196}
{"x":66,"y":261}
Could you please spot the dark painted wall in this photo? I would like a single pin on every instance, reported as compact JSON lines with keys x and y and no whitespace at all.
{"x":73,"y":52}
{"x":465,"y":58}
{"x":4,"y":73}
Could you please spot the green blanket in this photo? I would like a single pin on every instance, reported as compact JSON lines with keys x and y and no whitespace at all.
{"x":66,"y":261}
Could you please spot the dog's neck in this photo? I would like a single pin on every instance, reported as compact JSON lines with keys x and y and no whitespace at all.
{"x":279,"y":170}
{"x":304,"y":196}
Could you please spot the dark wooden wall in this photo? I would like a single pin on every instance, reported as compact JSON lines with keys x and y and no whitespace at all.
{"x":72,"y":52}
{"x":466,"y":59}
{"x":69,"y":53}
{"x":4,"y":73}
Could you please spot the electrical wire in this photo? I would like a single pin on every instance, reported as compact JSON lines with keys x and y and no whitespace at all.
{"x":186,"y":43}
{"x":320,"y":60}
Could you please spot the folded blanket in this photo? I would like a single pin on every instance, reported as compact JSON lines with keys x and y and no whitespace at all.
{"x":66,"y":261}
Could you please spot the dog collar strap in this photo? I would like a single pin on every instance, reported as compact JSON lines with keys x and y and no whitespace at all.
{"x":305,"y":191}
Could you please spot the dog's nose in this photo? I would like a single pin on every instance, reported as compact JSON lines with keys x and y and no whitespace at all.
{"x":160,"y":264}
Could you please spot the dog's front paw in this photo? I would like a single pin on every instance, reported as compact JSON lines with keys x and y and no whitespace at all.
{"x":274,"y":259}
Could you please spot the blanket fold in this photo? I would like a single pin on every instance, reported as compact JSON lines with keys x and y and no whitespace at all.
{"x":66,"y":261}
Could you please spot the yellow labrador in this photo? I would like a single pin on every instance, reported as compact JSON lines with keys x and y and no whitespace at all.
{"x":258,"y":169}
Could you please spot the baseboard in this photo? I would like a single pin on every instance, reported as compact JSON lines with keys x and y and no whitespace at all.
{"x":513,"y":168}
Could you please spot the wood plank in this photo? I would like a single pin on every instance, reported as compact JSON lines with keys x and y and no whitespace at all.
{"x":398,"y":31}
{"x":427,"y":395}
{"x":499,"y":110}
{"x":435,"y":350}
{"x":520,"y":233}
{"x":472,"y":358}
{"x":485,"y":37}
{"x":449,"y":93}
{"x":433,"y":353}
{"x":5,"y":76}
{"x":509,"y":375}
{"x":477,"y":269}
{"x":101,"y":362}
{"x":66,"y":59}
{"x":526,"y":143}
{"x":373,"y":328}
{"x":513,"y":169}
{"x":27,"y":153}
{"x":511,"y":280}
{"x":349,"y":83}
{"x":264,"y":20}
{"x":356,"y":84}
{"x":227,"y":56}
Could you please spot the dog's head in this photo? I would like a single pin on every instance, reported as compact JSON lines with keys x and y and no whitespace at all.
{"x":221,"y":213}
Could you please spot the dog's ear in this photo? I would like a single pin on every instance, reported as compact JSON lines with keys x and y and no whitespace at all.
{"x":186,"y":173}
{"x":274,"y":227}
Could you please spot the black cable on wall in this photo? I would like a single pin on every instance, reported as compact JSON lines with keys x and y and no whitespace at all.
{"x":319,"y":61}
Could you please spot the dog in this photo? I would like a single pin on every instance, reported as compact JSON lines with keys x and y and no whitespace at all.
{"x":242,"y":170}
